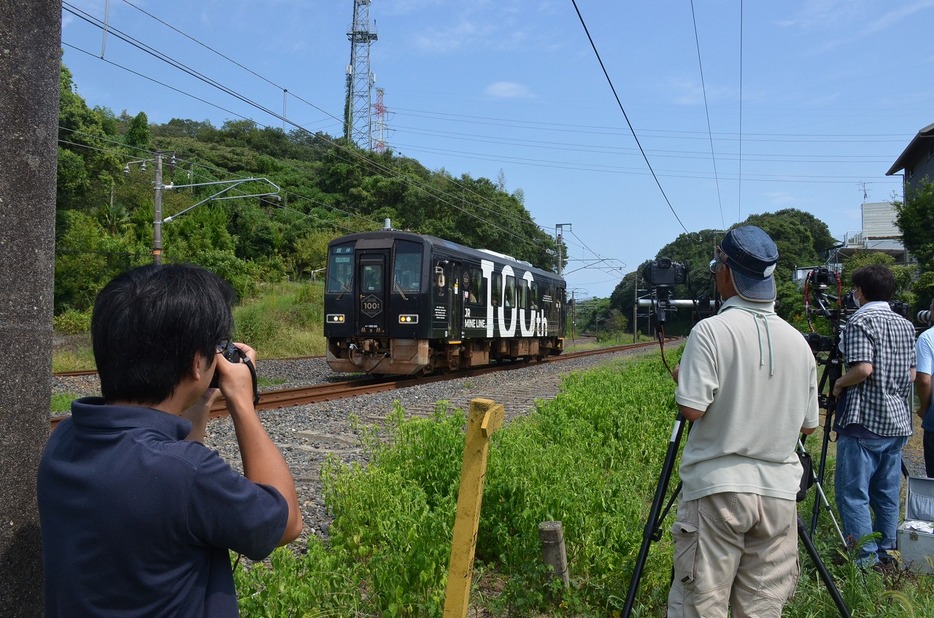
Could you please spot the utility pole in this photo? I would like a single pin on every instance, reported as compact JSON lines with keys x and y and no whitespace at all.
{"x":158,"y":221}
{"x":559,"y":241}
{"x":358,"y":105}
{"x":31,"y":39}
{"x":635,"y":307}
{"x":157,"y":213}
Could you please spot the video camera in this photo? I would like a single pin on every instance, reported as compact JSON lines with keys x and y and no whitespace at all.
{"x":665,"y":273}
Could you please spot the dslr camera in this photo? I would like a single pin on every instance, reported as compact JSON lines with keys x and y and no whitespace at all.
{"x":664,"y":273}
{"x":233,"y":355}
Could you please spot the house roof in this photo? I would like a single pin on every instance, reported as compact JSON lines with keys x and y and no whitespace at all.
{"x":913,"y":151}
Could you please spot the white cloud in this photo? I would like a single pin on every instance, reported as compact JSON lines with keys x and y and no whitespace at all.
{"x":508,"y":90}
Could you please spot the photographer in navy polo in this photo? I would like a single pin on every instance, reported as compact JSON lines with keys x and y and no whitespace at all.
{"x":138,"y":517}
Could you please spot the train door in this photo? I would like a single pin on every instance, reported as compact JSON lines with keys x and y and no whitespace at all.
{"x":371,"y":292}
{"x":455,"y":304}
{"x":448,"y":312}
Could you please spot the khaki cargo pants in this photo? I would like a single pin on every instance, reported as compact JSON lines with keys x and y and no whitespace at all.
{"x":734,"y":550}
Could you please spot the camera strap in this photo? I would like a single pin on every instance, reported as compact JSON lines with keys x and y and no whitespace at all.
{"x":249,"y":364}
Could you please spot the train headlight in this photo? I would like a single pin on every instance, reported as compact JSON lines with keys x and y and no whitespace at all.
{"x":334,"y":318}
{"x":408,"y":318}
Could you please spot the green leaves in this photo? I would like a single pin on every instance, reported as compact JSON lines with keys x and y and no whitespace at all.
{"x":589,"y":458}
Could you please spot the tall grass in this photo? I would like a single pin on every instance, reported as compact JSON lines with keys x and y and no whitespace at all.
{"x":282,"y":320}
{"x":589,"y":458}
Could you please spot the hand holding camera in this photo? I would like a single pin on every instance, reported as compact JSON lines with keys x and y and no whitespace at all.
{"x":233,"y":354}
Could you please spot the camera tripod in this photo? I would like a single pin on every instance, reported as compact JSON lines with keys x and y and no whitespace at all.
{"x":828,"y":403}
{"x":653,"y":532}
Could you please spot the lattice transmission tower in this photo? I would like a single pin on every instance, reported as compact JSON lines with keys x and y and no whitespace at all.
{"x":379,"y":123}
{"x":358,"y":107}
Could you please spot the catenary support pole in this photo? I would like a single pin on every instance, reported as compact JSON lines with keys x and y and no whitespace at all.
{"x":157,"y":212}
{"x":30,"y":69}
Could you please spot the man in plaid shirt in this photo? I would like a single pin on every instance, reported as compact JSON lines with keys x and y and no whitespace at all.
{"x":874,"y":420}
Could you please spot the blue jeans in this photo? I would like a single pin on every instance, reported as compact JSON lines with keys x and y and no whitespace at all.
{"x":869,"y":476}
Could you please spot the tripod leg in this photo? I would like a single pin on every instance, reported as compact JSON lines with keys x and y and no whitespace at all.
{"x":652,"y":523}
{"x":815,"y":480}
{"x":825,"y":442}
{"x":821,"y":569}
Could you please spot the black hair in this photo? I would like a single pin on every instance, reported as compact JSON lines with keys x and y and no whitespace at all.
{"x":150,"y":322}
{"x":876,"y":281}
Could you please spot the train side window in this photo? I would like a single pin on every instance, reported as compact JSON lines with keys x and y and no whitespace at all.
{"x":407,"y":268}
{"x":473,"y":286}
{"x":523,"y":291}
{"x":510,"y":291}
{"x":497,"y":283}
{"x":535,"y":295}
{"x":340,"y":268}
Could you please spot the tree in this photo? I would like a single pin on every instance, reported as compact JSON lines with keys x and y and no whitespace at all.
{"x":799,"y":236}
{"x":915,"y":218}
{"x":328,"y":187}
{"x":86,"y":172}
{"x":138,"y":136}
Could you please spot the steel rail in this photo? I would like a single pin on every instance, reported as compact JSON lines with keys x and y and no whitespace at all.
{"x":284,"y":398}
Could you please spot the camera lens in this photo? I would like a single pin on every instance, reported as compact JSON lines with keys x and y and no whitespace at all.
{"x":924,"y":317}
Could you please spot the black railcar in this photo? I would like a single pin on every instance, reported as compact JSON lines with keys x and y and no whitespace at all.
{"x":402,"y":303}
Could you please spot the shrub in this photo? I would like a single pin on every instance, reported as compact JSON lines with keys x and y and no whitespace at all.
{"x":72,"y":322}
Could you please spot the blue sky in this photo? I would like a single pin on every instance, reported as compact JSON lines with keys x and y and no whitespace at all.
{"x":764,"y":106}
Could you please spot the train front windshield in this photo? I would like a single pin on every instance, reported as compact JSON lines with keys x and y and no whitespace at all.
{"x":407,"y":273}
{"x":340,"y":268}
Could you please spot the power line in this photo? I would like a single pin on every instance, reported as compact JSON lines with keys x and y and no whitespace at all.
{"x":602,"y":149}
{"x":894,"y":138}
{"x":637,"y":171}
{"x":155,"y":81}
{"x":626,"y":116}
{"x":713,"y":156}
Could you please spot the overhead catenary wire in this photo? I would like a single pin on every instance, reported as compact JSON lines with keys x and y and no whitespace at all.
{"x":626,"y":116}
{"x":713,"y":155}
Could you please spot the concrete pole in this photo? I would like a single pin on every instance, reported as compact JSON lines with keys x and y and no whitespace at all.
{"x":30,"y":69}
{"x":157,"y":213}
{"x":551,"y":536}
{"x":635,"y":308}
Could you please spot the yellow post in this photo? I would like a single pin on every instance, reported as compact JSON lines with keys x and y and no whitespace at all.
{"x":485,"y":417}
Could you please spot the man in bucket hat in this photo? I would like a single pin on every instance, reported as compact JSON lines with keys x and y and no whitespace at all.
{"x":748,"y":382}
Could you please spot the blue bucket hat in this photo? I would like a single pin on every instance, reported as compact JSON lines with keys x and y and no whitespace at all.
{"x":751,"y":256}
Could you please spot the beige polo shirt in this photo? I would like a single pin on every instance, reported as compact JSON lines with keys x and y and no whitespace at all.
{"x":755,"y":377}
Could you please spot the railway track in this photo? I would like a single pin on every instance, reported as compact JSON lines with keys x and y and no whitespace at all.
{"x":284,"y":398}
